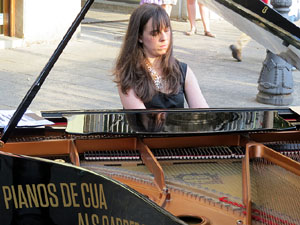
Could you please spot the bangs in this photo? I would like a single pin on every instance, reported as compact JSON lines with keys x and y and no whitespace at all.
{"x":159,"y":16}
{"x":160,"y":20}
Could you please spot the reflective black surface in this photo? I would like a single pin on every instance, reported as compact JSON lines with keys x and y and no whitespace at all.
{"x":39,"y":192}
{"x":170,"y":122}
{"x":263,"y":24}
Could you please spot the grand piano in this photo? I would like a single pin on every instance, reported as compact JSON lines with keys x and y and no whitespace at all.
{"x":133,"y":167}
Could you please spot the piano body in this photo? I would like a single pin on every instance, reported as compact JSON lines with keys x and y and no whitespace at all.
{"x":132,"y":167}
{"x":203,"y":166}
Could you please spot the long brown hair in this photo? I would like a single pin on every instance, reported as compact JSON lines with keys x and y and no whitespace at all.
{"x":130,"y":70}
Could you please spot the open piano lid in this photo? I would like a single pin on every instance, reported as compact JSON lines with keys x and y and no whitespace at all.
{"x":43,"y":192}
{"x":263,"y":24}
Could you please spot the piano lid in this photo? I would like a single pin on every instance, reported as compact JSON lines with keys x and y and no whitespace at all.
{"x":170,"y":122}
{"x":263,"y":24}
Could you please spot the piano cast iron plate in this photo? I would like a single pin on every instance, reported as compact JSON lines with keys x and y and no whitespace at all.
{"x":219,"y":178}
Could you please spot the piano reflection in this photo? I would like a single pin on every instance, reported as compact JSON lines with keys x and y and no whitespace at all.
{"x":134,"y":167}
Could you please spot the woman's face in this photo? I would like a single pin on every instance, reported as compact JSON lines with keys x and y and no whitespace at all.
{"x":155,"y":42}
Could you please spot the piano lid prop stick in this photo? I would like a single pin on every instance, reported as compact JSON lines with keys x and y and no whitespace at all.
{"x":43,"y":75}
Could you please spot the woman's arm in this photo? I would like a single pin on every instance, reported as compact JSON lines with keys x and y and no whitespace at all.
{"x":194,"y":96}
{"x":130,"y":100}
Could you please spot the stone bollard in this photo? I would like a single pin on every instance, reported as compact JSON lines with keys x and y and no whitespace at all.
{"x":275,"y":83}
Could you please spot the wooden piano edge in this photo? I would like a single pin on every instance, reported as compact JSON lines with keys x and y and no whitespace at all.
{"x":65,"y":146}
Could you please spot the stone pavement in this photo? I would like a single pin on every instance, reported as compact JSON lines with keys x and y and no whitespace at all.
{"x":81,"y":78}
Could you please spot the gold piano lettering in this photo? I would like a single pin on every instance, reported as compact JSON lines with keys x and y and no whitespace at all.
{"x":86,"y":201}
{"x":95,"y":219}
{"x":82,"y":221}
{"x":118,"y":221}
{"x":22,"y":198}
{"x":7,"y":196}
{"x":69,"y":195}
{"x":265,"y":9}
{"x":41,"y":189}
{"x":112,"y":221}
{"x":52,"y":196}
{"x":105,"y":220}
{"x":85,"y":219}
{"x":93,"y":196}
{"x":30,"y":195}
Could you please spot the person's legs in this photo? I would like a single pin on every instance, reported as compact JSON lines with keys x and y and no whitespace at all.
{"x":191,"y":7}
{"x":168,"y":8}
{"x":205,"y":20}
{"x":243,"y":41}
{"x":236,"y":50}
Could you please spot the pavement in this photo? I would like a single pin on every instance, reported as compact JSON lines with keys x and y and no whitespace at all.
{"x":81,"y":78}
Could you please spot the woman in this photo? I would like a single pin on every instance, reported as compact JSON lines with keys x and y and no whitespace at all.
{"x":147,"y":74}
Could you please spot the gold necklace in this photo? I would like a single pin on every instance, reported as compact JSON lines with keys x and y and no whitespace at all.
{"x":155,"y":76}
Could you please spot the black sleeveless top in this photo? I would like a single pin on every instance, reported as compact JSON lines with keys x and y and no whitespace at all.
{"x":164,"y":101}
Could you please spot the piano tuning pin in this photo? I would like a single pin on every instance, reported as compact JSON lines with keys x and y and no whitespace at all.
{"x":203,"y":199}
{"x":189,"y":193}
{"x":238,"y":211}
{"x":209,"y":200}
{"x":219,"y":205}
{"x":213,"y":203}
{"x":227,"y":207}
{"x":196,"y":196}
